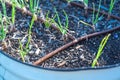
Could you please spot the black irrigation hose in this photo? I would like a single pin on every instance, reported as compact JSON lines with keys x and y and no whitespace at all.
{"x":40,"y":19}
{"x":49,"y":55}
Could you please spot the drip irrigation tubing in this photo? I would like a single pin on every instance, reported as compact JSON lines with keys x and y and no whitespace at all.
{"x":43,"y":59}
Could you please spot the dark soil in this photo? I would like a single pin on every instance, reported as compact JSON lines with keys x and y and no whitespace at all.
{"x":45,"y":40}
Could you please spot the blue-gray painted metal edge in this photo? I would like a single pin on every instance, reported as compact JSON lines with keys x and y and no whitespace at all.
{"x":56,"y":69}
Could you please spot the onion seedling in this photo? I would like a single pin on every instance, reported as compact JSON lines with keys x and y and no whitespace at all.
{"x":24,"y":51}
{"x":4,"y":7}
{"x":100,"y":49}
{"x":83,"y":1}
{"x":22,"y":4}
{"x":95,"y":18}
{"x":49,"y":21}
{"x":62,"y":29}
{"x":33,"y":5}
{"x":86,"y":6}
{"x":30,"y":31}
{"x":2,"y":29}
{"x":111,"y":8}
{"x":85,"y":23}
{"x":13,"y":12}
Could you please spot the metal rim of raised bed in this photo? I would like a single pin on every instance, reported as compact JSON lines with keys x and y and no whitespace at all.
{"x":66,"y":70}
{"x":76,"y":69}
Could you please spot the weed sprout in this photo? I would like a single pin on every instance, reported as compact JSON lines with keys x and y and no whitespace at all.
{"x":100,"y":49}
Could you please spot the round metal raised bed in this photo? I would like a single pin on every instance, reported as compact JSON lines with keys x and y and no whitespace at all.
{"x":12,"y":69}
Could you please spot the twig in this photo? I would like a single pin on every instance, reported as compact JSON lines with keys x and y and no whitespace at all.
{"x":40,"y":19}
{"x":39,"y":61}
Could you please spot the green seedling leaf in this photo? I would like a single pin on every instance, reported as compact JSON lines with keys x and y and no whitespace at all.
{"x":49,"y":21}
{"x":95,"y":18}
{"x":2,"y":29}
{"x":111,"y":6}
{"x":30,"y":30}
{"x":22,"y":52}
{"x":4,"y":7}
{"x":62,"y":29}
{"x":13,"y":12}
{"x":100,"y":49}
{"x":83,"y":1}
{"x":34,"y":5}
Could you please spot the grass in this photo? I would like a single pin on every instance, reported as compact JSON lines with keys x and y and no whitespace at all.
{"x":100,"y":49}
{"x":62,"y":29}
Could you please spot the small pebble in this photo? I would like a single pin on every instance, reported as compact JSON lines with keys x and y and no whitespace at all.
{"x":31,"y":52}
{"x":116,"y":36}
{"x":30,"y":46}
{"x":109,"y":27}
{"x":78,"y":47}
{"x":37,"y":52}
{"x":61,"y":64}
{"x":81,"y":49}
{"x":82,"y":57}
{"x":72,"y":50}
{"x":100,"y":18}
